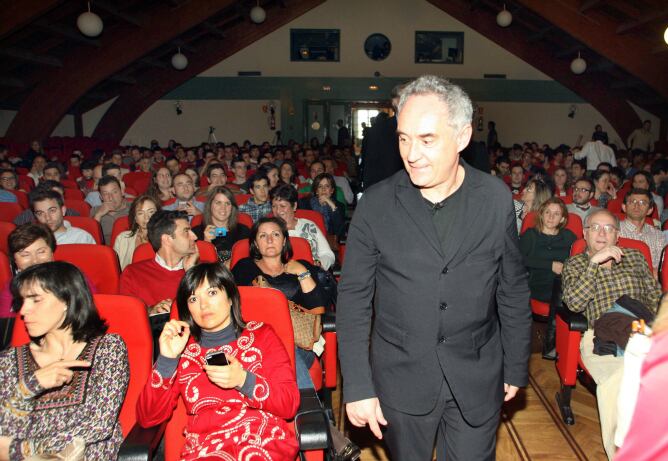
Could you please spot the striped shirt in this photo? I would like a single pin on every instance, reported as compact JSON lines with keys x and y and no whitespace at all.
{"x":593,"y":289}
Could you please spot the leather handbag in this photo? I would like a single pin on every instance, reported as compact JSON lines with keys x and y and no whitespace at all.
{"x":306,"y":323}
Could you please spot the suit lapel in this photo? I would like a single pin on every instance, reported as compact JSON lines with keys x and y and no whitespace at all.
{"x":411,"y":200}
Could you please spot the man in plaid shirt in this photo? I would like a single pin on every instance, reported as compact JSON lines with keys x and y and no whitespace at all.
{"x":592,"y":282}
{"x":258,"y":206}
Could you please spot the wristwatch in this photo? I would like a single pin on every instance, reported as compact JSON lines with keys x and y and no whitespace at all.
{"x":303,"y":276}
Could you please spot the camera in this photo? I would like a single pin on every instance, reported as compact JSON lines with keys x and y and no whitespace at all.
{"x":220,"y":232}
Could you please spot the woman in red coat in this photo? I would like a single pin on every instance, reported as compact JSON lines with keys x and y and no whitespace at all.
{"x":235,"y":410}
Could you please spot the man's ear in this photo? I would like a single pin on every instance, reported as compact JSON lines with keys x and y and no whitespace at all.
{"x":624,"y":207}
{"x":464,"y":137}
{"x":650,"y":209}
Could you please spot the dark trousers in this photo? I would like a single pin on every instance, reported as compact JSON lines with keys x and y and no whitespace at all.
{"x":411,"y":437}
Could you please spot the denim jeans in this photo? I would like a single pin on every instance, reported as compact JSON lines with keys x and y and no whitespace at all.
{"x":303,"y":361}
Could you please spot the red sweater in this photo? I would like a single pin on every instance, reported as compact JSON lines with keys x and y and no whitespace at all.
{"x":150,"y":282}
{"x":224,"y":423}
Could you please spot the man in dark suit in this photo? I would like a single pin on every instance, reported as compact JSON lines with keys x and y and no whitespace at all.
{"x":434,"y":249}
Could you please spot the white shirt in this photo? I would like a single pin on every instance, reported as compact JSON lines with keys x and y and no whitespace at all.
{"x":320,"y":249}
{"x":73,"y":235}
{"x":596,"y":152}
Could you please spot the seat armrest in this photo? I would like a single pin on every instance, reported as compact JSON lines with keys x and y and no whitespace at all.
{"x":140,"y":443}
{"x":328,"y":320}
{"x":576,"y":321}
{"x":311,"y":423}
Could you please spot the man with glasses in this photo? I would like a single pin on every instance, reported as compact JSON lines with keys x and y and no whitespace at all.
{"x":583,"y":192}
{"x":592,"y":282}
{"x":638,"y":205}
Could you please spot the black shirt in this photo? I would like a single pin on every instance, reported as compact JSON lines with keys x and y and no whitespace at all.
{"x":443,"y":214}
{"x":224,"y":244}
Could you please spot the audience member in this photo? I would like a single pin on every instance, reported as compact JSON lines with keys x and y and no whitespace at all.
{"x":583,"y":192}
{"x":27,"y":216}
{"x":637,"y":206}
{"x":161,"y":186}
{"x":561,"y":184}
{"x":155,"y":280}
{"x":271,"y":171}
{"x":238,"y":410}
{"x":113,"y":205}
{"x":641,"y":138}
{"x":535,"y":193}
{"x":595,"y":152}
{"x":284,"y":204}
{"x":63,"y":391}
{"x":271,"y":258}
{"x":592,"y":282}
{"x":53,"y":171}
{"x":184,"y":190}
{"x":341,"y":182}
{"x":322,"y":200}
{"x":215,"y":173}
{"x":94,"y":198}
{"x":37,"y":168}
{"x":599,"y":135}
{"x":578,"y":170}
{"x":238,"y":184}
{"x":516,"y":179}
{"x":49,"y":209}
{"x":604,"y":191}
{"x":644,"y":180}
{"x":288,"y":173}
{"x":220,"y":224}
{"x":258,"y":205}
{"x":141,"y":210}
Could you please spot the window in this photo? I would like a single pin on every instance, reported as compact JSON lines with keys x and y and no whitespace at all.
{"x":314,"y":45}
{"x":439,"y":47}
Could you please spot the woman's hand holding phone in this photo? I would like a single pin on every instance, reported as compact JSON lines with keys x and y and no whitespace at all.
{"x":174,"y":338}
{"x":227,"y":376}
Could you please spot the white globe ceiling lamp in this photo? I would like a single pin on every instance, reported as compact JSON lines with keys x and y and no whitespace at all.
{"x":258,"y":14}
{"x":179,"y":61}
{"x":665,"y":35}
{"x":504,"y":18}
{"x":90,"y":23}
{"x":578,"y":65}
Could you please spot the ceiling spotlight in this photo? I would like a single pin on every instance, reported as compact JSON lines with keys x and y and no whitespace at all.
{"x":373,"y":87}
{"x":665,"y":36}
{"x":578,"y":65}
{"x":90,"y":23}
{"x":258,"y":14}
{"x":504,"y":18}
{"x":179,"y":60}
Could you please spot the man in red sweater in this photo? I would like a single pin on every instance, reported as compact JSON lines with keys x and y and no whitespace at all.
{"x":156,"y":280}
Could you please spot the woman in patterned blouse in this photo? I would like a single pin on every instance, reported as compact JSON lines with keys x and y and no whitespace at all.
{"x":62,"y":392}
{"x":238,"y":410}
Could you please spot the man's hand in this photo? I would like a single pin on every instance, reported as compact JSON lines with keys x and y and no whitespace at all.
{"x":367,"y":411}
{"x":192,"y":259}
{"x":608,"y":253}
{"x":557,"y":267}
{"x":161,"y":307}
{"x":511,"y":391}
{"x":101,"y":211}
{"x":191,"y":209}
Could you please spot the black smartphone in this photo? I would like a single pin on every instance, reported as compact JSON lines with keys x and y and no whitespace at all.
{"x":217,"y":358}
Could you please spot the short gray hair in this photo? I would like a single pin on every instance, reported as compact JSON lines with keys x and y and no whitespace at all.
{"x":604,"y":211}
{"x":460,"y":108}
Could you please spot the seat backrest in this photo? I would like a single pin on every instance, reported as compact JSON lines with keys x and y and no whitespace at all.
{"x":6,"y":228}
{"x":245,"y":219}
{"x":138,"y":180}
{"x":663,"y":270}
{"x":207,"y":252}
{"x":89,"y":225}
{"x":74,"y":194}
{"x":80,"y":206}
{"x":580,"y":245}
{"x":121,"y":224}
{"x":117,"y":310}
{"x":257,"y":304}
{"x":300,"y":250}
{"x":242,"y":198}
{"x":574,"y":223}
{"x":22,"y":198}
{"x":5,"y":269}
{"x":314,"y":216}
{"x":9,"y":211}
{"x":98,"y":262}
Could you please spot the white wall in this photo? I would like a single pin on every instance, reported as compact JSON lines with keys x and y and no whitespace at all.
{"x":398,"y":20}
{"x":6,"y":117}
{"x":234,"y":120}
{"x":65,"y":127}
{"x":541,"y":122}
{"x":91,"y":118}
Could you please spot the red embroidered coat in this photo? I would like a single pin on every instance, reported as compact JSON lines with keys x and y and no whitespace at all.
{"x":224,"y":423}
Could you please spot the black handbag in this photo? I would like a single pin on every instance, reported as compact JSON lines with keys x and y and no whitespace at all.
{"x":327,"y":283}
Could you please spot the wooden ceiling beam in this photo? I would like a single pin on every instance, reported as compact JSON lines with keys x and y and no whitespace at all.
{"x":629,"y":52}
{"x":615,"y":109}
{"x":154,"y":84}
{"x":122,"y":45}
{"x":589,"y":4}
{"x":28,"y":56}
{"x":641,"y":21}
{"x":114,"y":11}
{"x":16,"y":14}
{"x":67,"y":32}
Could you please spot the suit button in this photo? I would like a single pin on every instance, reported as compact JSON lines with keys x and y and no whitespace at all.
{"x":444,"y":271}
{"x":441,"y":340}
{"x":443,"y":306}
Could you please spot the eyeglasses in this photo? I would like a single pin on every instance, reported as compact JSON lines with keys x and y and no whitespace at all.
{"x":607,"y":228}
{"x":638,"y":202}
{"x":581,"y":189}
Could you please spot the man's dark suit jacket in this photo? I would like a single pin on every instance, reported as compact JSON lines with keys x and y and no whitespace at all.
{"x":435,"y":309}
{"x":380,"y":154}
